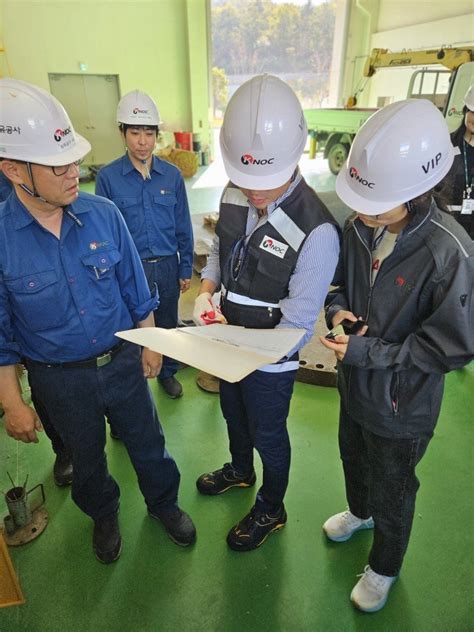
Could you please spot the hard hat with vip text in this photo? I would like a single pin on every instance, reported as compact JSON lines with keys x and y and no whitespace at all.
{"x":401,"y":152}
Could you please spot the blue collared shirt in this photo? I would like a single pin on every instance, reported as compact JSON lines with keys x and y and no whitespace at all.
{"x":5,"y":187}
{"x":62,"y":300}
{"x":156,"y":209}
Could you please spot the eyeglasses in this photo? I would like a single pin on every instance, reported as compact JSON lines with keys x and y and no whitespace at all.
{"x":63,"y":169}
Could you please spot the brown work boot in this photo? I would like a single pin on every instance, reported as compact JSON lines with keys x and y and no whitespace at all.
{"x":207,"y":382}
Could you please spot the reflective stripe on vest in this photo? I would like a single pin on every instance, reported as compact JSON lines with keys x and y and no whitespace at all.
{"x":234,"y":196}
{"x":287,"y":228}
{"x":245,"y":300}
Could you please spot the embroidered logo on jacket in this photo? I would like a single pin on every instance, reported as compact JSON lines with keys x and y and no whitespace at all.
{"x":273,"y":246}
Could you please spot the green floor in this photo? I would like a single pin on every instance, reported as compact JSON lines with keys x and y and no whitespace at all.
{"x":297,"y":581}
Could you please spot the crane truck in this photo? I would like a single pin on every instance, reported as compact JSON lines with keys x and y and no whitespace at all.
{"x":332,"y":130}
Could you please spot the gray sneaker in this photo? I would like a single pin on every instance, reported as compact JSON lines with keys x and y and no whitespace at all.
{"x":342,"y":526}
{"x":371,"y":591}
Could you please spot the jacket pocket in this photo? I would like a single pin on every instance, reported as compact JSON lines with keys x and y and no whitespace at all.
{"x":100,"y":267}
{"x":165,"y":205}
{"x":36,"y":300}
{"x":130,"y":207}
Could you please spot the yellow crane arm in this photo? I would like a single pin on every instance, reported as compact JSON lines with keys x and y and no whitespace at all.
{"x":451,"y":58}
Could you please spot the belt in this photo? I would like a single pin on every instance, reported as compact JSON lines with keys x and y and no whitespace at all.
{"x":155,"y":259}
{"x":102,"y":360}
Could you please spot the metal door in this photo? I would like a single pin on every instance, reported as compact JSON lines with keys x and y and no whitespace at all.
{"x":91,"y":102}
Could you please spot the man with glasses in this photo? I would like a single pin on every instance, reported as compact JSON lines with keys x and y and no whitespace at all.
{"x":70,"y":277}
{"x":62,"y":469}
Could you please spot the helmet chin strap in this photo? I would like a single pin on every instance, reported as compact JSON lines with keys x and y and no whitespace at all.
{"x":32,"y":192}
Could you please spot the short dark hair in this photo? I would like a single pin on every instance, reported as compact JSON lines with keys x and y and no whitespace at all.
{"x":123,"y":127}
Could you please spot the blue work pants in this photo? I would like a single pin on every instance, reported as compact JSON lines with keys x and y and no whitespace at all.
{"x":164,"y":274}
{"x":256,"y":410}
{"x":76,"y":401}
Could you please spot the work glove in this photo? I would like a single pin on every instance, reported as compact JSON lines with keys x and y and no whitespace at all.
{"x":205,"y":312}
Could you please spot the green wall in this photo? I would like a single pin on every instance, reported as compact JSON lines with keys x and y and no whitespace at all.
{"x":159,"y":46}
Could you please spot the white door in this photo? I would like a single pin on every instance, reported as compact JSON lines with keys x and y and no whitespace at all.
{"x":91,"y":102}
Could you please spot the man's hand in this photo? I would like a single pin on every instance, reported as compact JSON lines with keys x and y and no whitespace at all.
{"x":184,"y":285}
{"x":338,"y":345}
{"x":205,"y":312}
{"x":341,"y":315}
{"x":22,"y":423}
{"x":151,"y":363}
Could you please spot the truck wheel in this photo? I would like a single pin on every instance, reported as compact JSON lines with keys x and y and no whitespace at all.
{"x":337,"y":156}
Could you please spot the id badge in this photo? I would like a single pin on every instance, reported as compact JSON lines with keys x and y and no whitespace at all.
{"x":467,"y":207}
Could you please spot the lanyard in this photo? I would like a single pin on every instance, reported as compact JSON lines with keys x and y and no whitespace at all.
{"x":468,"y":187}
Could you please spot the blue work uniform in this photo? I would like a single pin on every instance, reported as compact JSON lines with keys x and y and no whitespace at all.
{"x":5,"y":187}
{"x":57,"y":443}
{"x":61,"y":302}
{"x":157,"y":214}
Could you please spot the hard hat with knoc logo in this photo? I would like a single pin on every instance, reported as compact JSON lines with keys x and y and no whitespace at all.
{"x":469,"y":98}
{"x":401,"y":152}
{"x":137,"y":108}
{"x":34,"y":126}
{"x":263,"y":134}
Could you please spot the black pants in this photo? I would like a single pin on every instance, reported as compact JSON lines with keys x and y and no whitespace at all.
{"x":381,"y":482}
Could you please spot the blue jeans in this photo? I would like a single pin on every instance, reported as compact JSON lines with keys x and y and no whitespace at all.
{"x":76,"y":400}
{"x":381,"y":482}
{"x":256,"y":409}
{"x":165,"y":275}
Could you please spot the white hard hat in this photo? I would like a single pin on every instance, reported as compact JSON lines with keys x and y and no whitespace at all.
{"x":263,"y":134}
{"x":34,"y":126}
{"x":469,"y":98}
{"x":137,"y":108}
{"x":401,"y":152}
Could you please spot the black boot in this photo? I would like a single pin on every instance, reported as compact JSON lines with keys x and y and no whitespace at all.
{"x":179,"y":526}
{"x":106,"y":540}
{"x":62,"y":469}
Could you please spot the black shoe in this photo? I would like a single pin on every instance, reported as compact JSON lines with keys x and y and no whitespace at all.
{"x":62,"y":469}
{"x":178,"y":525}
{"x":172,"y":387}
{"x":106,"y":540}
{"x":254,"y":529}
{"x":220,"y":481}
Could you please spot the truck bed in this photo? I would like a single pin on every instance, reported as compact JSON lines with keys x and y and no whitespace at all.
{"x":343,"y":120}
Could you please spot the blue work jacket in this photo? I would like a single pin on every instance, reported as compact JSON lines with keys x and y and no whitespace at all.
{"x":62,"y":300}
{"x":156,"y":209}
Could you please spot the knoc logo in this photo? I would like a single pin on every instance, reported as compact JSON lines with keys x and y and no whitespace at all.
{"x":248,"y":159}
{"x":355,"y":174}
{"x":60,"y":133}
{"x":273,"y":246}
{"x":138,"y":111}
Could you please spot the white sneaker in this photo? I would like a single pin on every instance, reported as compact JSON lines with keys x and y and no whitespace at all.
{"x":371,"y":591}
{"x":341,"y":526}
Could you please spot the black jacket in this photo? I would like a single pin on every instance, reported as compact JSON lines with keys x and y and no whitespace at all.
{"x":420,"y":318}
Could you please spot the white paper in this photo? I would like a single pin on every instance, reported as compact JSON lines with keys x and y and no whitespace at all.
{"x":226,"y":351}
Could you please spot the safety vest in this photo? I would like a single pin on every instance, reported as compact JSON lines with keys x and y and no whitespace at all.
{"x":256,"y":273}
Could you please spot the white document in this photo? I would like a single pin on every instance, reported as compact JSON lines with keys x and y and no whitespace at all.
{"x":226,"y":351}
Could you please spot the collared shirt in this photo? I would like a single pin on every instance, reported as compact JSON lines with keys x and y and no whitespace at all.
{"x":62,"y":300}
{"x":155,"y":209}
{"x":311,"y":278}
{"x":5,"y":187}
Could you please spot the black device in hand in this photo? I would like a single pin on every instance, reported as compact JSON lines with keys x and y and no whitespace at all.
{"x":345,"y":327}
{"x":352,"y":327}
